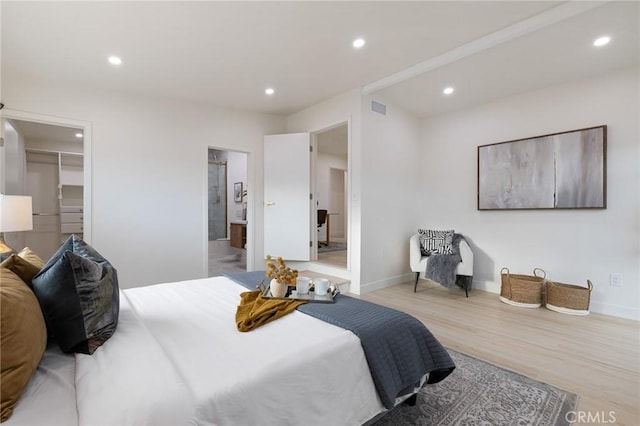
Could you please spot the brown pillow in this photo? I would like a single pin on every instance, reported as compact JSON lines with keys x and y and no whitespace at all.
{"x":23,"y":339}
{"x":21,"y":267}
{"x":31,"y":257}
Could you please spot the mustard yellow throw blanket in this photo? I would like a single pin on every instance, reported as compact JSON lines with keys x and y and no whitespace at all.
{"x":255,"y":311}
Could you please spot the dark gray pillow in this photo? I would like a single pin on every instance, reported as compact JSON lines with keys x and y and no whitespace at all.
{"x":78,"y":292}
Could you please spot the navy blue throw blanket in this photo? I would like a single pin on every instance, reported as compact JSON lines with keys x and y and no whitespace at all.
{"x":399,"y":349}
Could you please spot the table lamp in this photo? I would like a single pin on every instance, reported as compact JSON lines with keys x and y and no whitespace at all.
{"x":15,"y":215}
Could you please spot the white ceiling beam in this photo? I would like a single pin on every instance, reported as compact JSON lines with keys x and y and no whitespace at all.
{"x":529,"y":25}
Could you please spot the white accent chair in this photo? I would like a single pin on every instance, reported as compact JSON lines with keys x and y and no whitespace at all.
{"x":464,"y":270}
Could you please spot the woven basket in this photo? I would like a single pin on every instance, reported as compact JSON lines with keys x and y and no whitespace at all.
{"x":522,"y":290}
{"x":568,"y":299}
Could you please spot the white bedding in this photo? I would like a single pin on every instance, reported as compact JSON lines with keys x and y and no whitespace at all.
{"x":50,"y":394}
{"x":177,"y":358}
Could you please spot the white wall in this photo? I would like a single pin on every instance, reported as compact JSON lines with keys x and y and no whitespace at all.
{"x":149,"y":166}
{"x":391,"y":193}
{"x":236,"y":172}
{"x":13,"y":172}
{"x":14,"y":159}
{"x":342,"y":108}
{"x":384,"y":171}
{"x":571,"y":245}
{"x":149,"y":182}
{"x":338,"y":204}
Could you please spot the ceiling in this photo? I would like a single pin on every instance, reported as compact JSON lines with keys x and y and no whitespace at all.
{"x":227,"y":53}
{"x":33,"y":131}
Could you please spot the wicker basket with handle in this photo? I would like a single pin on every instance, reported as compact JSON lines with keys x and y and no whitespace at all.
{"x":568,"y":298}
{"x":522,"y":290}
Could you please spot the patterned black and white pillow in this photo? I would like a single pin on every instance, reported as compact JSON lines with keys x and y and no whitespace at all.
{"x":436,"y":242}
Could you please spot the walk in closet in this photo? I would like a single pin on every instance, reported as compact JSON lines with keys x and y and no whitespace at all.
{"x":47,"y":163}
{"x":54,"y":179}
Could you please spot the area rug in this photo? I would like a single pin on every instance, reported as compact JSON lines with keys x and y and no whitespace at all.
{"x":333,"y":246}
{"x":478,"y":393}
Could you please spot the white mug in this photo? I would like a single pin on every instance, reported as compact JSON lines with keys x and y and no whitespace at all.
{"x":302,"y":285}
{"x":321,"y":286}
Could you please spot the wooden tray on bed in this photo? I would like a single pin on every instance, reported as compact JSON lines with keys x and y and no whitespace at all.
{"x":311,"y":297}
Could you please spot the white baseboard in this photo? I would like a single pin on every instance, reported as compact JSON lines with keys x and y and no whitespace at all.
{"x":595,"y":307}
{"x":494,"y":287}
{"x":488,"y":286}
{"x":387,"y":282}
{"x":614,"y":310}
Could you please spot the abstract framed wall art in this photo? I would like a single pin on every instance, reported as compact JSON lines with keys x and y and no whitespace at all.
{"x":564,"y":170}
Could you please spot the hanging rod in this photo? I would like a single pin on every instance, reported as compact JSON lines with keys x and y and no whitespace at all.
{"x":49,"y":151}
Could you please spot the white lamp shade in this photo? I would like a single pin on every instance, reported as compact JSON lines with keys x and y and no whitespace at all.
{"x":16,"y":213}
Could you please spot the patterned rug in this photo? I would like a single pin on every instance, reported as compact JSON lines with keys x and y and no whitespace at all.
{"x":333,"y":246}
{"x":478,"y":393}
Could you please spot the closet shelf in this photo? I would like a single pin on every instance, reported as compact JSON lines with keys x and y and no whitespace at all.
{"x":70,"y":192}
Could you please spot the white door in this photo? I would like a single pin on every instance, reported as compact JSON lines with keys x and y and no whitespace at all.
{"x":287,"y":182}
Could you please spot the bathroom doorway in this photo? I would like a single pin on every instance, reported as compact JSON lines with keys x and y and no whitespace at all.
{"x":226,"y":211}
{"x":217,"y":183}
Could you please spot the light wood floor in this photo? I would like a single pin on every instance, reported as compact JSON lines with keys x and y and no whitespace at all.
{"x":334,"y":258}
{"x":594,"y":356}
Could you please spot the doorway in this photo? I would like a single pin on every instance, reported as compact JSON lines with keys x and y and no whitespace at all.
{"x":331,"y":177}
{"x":46,"y":162}
{"x":226,"y":211}
{"x":217,"y":194}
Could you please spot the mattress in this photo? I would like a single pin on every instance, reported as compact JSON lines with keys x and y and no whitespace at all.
{"x":177,"y":358}
{"x":50,"y":396}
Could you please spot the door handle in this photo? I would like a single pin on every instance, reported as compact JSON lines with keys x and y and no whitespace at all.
{"x":269,"y":203}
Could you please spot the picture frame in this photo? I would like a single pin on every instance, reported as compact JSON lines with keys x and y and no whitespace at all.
{"x":565,"y":170}
{"x":237,"y":192}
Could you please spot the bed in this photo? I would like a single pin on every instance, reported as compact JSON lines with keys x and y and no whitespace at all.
{"x":177,"y":358}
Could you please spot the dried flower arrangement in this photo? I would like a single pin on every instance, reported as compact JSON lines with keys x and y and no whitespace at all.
{"x":280,"y":272}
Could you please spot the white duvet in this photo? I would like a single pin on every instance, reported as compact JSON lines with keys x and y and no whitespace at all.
{"x":177,"y":358}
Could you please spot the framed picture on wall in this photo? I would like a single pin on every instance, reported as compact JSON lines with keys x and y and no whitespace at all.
{"x":564,"y":170}
{"x":237,"y":192}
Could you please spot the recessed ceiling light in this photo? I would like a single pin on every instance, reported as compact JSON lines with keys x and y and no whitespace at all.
{"x":269,"y":91}
{"x":601,"y":41}
{"x":358,"y":43}
{"x":114,"y":60}
{"x":448,"y":90}
{"x":78,"y":135}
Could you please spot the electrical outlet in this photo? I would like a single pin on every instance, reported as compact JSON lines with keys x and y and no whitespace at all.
{"x":615,"y":279}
